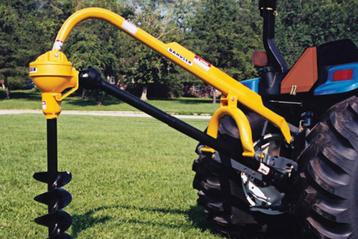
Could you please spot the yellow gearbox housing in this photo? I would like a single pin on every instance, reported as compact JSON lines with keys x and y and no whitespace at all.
{"x":52,"y":73}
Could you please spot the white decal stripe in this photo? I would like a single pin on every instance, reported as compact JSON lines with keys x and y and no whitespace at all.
{"x":202,"y":64}
{"x":57,"y":45}
{"x":129,"y":27}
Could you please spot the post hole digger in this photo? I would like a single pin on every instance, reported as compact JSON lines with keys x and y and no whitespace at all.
{"x":285,"y":143}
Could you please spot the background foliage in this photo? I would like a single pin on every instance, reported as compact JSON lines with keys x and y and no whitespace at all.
{"x":224,"y":32}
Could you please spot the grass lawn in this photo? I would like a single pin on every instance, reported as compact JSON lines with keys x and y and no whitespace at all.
{"x":131,"y":178}
{"x":32,"y":100}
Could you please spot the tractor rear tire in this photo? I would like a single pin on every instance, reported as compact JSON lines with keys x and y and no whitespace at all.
{"x":329,"y":202}
{"x":221,"y":195}
{"x":214,"y":201}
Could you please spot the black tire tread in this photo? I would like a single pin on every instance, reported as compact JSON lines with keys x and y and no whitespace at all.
{"x":230,"y":214}
{"x":211,"y":199}
{"x":331,"y":167}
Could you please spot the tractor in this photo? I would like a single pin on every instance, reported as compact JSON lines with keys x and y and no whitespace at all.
{"x":280,"y":154}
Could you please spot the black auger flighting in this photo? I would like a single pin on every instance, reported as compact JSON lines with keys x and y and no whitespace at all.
{"x":56,"y":198}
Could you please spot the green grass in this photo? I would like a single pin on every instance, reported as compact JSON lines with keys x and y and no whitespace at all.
{"x":32,"y":100}
{"x":131,"y":178}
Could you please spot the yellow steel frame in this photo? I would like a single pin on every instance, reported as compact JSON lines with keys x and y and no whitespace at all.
{"x":234,"y":92}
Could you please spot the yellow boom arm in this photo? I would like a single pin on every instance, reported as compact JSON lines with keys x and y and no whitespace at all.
{"x":233,"y":91}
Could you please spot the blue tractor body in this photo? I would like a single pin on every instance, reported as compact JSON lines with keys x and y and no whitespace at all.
{"x":347,"y":81}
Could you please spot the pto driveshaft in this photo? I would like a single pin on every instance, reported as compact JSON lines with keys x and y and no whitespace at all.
{"x":91,"y":79}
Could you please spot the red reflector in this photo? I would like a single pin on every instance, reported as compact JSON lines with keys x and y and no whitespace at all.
{"x":343,"y":75}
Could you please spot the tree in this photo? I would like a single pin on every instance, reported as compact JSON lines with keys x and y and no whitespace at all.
{"x":142,"y":66}
{"x":309,"y":23}
{"x":27,"y":29}
{"x":8,"y":40}
{"x":225,"y":33}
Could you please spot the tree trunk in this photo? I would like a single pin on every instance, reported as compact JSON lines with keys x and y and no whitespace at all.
{"x":84,"y":94}
{"x":99,"y":99}
{"x":214,"y":95}
{"x":144,"y":93}
{"x":7,"y":90}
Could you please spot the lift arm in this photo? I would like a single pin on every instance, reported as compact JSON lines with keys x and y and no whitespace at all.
{"x":91,"y":79}
{"x":187,"y":60}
